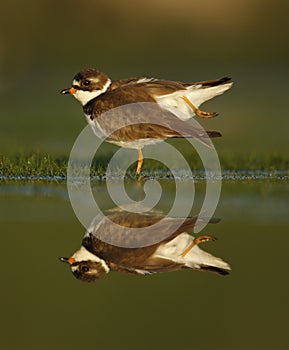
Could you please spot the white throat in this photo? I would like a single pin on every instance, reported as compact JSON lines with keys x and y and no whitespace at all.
{"x":85,"y":96}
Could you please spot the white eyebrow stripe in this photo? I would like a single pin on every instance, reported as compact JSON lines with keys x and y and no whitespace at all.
{"x":75,"y":82}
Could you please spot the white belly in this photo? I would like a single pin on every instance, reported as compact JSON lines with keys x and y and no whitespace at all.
{"x":137,"y":144}
{"x":96,"y":128}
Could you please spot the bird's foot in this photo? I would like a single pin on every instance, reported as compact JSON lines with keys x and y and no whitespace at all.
{"x":197,"y":111}
{"x":197,"y":241}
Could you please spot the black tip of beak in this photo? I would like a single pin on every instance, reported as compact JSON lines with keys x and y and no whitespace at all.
{"x":64,"y":260}
{"x":64,"y":92}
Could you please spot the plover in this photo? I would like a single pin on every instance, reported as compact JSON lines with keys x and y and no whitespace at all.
{"x":179,"y":250}
{"x":98,"y":94}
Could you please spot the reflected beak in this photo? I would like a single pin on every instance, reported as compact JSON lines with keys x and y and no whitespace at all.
{"x":69,"y":261}
{"x":71,"y":91}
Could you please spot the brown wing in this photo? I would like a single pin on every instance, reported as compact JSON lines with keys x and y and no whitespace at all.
{"x":151,"y":228}
{"x":129,"y":260}
{"x":157,"y":264}
{"x":141,"y":120}
{"x":165,"y":87}
{"x":153,"y":86}
{"x":158,"y":87}
{"x":162,"y":87}
{"x":126,"y":81}
{"x":151,"y":265}
{"x":134,"y":258}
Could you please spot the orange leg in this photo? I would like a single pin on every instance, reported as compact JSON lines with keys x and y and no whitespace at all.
{"x":197,"y":241}
{"x":197,"y":111}
{"x":139,"y":162}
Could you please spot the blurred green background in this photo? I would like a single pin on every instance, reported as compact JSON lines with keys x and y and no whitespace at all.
{"x":44,"y":43}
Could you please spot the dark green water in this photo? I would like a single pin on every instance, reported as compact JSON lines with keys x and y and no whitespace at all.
{"x":43,"y":306}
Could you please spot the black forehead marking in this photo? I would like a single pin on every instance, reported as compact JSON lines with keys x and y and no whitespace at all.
{"x":76,"y":273}
{"x":86,"y":73}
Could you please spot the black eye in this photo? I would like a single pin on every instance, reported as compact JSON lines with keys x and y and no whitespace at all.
{"x":84,"y":268}
{"x":86,"y":82}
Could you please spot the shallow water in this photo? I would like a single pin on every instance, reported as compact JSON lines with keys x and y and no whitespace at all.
{"x":46,"y":307}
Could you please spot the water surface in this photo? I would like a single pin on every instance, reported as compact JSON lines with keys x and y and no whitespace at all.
{"x":46,"y":307}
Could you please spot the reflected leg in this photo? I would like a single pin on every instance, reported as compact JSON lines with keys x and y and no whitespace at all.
{"x":139,"y":162}
{"x":197,"y":241}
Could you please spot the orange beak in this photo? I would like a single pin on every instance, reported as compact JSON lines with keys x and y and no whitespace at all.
{"x":71,"y":91}
{"x":69,"y":261}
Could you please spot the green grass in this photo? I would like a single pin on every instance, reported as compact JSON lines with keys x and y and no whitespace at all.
{"x":38,"y":166}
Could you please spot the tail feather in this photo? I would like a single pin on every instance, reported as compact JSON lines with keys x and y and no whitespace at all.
{"x":213,"y":133}
{"x":215,"y":269}
{"x":196,"y":258}
{"x":197,"y":93}
{"x":202,"y":260}
{"x":211,"y":83}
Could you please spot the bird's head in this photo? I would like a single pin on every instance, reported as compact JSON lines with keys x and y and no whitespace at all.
{"x":87,"y":85}
{"x":86,"y":266}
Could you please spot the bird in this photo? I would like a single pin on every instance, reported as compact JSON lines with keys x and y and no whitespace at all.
{"x":173,"y":248}
{"x":98,"y":94}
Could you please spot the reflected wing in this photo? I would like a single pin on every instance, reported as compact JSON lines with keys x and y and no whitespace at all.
{"x":157,"y":264}
{"x":151,"y":228}
{"x":113,"y":240}
{"x":126,"y":229}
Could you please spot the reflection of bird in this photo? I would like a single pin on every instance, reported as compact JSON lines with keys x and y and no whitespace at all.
{"x":171,"y":252}
{"x":98,"y":94}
